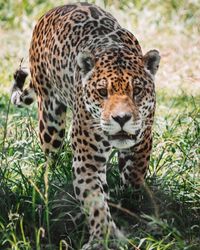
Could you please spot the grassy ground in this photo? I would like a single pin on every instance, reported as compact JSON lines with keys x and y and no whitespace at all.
{"x":37,"y":205}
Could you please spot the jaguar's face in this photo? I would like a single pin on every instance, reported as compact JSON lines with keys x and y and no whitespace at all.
{"x":120,"y":95}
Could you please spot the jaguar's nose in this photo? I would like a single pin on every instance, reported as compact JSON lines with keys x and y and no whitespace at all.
{"x":121,"y":119}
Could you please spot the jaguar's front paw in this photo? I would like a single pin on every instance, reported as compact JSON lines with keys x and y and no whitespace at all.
{"x":113,"y":241}
{"x":92,"y":245}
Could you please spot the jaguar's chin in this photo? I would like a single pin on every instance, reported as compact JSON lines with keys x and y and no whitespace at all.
{"x":122,"y":144}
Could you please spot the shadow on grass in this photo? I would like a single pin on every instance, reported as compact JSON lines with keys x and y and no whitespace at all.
{"x":150,"y":214}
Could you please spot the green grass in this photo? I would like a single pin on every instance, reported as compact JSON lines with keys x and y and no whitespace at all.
{"x":38,"y":207}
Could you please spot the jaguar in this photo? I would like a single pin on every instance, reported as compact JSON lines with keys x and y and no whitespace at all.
{"x":83,"y":60}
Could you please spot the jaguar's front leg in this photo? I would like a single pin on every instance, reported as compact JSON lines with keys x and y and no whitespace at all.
{"x":134,"y":162}
{"x":89,"y":167}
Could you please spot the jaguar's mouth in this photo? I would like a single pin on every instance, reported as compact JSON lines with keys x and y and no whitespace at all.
{"x":122,"y":135}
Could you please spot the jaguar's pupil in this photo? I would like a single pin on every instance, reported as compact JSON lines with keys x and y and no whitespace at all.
{"x":103,"y":92}
{"x":137,"y":91}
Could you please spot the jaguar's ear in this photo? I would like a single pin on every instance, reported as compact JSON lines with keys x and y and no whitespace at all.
{"x":85,"y":61}
{"x":151,"y":61}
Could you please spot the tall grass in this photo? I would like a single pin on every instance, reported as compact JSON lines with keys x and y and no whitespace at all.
{"x":37,"y":205}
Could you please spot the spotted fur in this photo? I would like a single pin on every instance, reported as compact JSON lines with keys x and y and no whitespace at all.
{"x":82,"y":59}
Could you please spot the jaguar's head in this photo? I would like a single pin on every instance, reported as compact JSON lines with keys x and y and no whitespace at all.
{"x":119,"y":93}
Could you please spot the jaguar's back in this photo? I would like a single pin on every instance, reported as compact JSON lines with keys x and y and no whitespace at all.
{"x":61,"y":34}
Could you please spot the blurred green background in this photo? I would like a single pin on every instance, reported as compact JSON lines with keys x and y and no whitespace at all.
{"x":37,"y":205}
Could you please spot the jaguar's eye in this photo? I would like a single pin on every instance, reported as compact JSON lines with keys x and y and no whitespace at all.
{"x":103,"y":92}
{"x":137,"y":90}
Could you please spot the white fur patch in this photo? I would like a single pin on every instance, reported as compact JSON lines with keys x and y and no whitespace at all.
{"x":15,"y":97}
